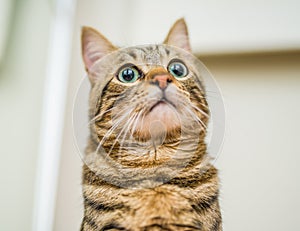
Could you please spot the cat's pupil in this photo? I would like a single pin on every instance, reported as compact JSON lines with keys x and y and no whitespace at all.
{"x":128,"y":74}
{"x":177,"y":69}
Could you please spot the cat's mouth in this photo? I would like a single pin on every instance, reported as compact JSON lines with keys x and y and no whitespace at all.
{"x":161,"y":119}
{"x":162,"y":102}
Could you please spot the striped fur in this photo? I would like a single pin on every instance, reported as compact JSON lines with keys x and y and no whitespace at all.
{"x":130,"y":180}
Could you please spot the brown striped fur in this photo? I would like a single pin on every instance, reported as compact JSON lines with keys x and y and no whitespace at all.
{"x":151,"y":186}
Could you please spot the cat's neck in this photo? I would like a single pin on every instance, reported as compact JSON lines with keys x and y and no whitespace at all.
{"x":150,"y":167}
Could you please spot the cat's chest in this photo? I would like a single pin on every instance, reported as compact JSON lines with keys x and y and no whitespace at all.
{"x":161,"y":206}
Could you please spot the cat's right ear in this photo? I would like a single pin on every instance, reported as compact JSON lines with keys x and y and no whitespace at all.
{"x":94,"y":46}
{"x":178,"y":35}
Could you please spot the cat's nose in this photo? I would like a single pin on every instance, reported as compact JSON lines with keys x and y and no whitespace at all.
{"x":160,"y":77}
{"x":162,"y":80}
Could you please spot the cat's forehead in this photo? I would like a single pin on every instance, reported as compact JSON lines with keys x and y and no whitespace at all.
{"x":147,"y":56}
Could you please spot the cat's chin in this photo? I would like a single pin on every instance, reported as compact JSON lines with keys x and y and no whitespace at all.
{"x":161,"y":120}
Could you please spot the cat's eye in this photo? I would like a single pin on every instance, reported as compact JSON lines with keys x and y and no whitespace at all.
{"x":128,"y":74}
{"x":177,"y":69}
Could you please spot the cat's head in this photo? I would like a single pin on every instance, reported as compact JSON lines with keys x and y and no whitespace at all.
{"x":146,"y":98}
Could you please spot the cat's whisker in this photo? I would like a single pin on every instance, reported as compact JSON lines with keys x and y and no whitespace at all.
{"x":106,"y":135}
{"x":204,"y":105}
{"x":112,"y":129}
{"x":125,"y":130}
{"x":192,"y":114}
{"x":200,"y":110}
{"x":206,"y":90}
{"x":126,"y":126}
{"x":103,"y":113}
{"x":100,"y":115}
{"x":196,"y":118}
{"x":143,"y":117}
{"x":174,"y":110}
{"x":108,"y":110}
{"x":135,"y":120}
{"x":215,"y":97}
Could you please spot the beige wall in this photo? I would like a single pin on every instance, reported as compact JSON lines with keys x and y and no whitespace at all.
{"x":259,"y":163}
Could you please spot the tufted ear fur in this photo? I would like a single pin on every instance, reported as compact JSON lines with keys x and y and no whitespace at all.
{"x":94,"y":46}
{"x":178,"y":35}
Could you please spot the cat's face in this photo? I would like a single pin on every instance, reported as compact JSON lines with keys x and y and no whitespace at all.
{"x":145,"y":94}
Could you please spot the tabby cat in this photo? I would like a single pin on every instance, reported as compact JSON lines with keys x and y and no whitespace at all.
{"x":146,"y":166}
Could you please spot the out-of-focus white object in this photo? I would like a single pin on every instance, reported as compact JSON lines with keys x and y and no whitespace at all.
{"x":5,"y":16}
{"x":53,"y":114}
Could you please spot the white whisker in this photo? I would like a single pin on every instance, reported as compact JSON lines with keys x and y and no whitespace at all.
{"x":112,"y":129}
{"x":200,"y":110}
{"x":126,"y":126}
{"x":192,"y":114}
{"x":134,"y":119}
{"x":102,"y":113}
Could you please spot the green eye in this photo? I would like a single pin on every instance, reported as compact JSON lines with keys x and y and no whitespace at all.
{"x":128,"y":75}
{"x":178,"y":69}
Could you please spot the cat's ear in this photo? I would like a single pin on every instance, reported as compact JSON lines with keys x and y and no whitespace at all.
{"x":94,"y":46}
{"x":178,"y":35}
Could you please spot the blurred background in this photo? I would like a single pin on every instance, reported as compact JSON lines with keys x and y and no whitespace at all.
{"x":251,"y":47}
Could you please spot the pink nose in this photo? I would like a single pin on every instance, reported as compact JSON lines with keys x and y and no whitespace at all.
{"x":162,"y":80}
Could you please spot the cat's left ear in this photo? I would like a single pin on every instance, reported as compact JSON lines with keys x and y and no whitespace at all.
{"x":178,"y":35}
{"x":94,"y":46}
